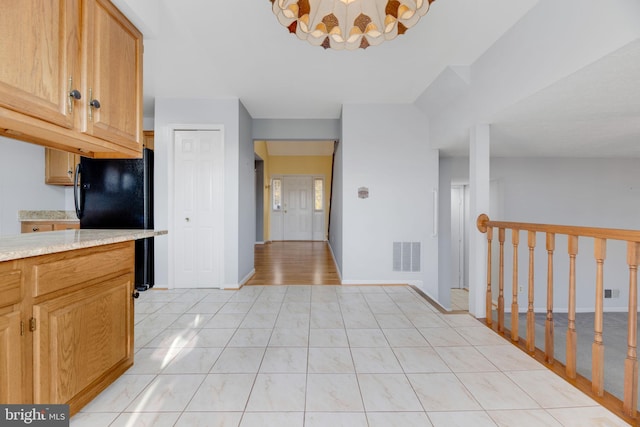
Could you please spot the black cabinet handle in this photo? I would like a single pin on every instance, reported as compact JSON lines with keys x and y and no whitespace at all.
{"x":94,"y":103}
{"x":136,"y":294}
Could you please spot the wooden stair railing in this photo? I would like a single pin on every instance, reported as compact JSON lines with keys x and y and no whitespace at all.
{"x":573,"y":233}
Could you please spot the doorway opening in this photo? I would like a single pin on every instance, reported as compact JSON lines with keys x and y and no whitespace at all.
{"x":459,"y":247}
{"x":296,"y":196}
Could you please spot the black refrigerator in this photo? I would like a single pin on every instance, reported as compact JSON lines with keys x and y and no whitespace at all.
{"x":118,"y":194}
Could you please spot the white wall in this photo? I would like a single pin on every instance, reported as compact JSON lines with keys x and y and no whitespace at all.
{"x":225,"y":112}
{"x":22,"y":184}
{"x":386,"y":148}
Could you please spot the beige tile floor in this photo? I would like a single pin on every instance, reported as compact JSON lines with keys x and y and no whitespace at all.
{"x":327,"y":356}
{"x":459,"y":299}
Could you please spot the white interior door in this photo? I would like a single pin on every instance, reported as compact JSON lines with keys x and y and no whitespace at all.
{"x":198,"y":208}
{"x":297,"y":208}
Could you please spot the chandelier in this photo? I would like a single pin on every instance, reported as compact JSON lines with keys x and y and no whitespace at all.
{"x":349,"y":24}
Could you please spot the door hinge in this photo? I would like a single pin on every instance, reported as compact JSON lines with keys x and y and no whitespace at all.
{"x":21,"y":328}
{"x":32,"y":324}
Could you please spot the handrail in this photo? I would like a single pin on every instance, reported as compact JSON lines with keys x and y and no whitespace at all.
{"x":484,"y":222}
{"x":573,"y":233}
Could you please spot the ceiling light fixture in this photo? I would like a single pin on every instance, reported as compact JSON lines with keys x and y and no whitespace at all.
{"x":349,"y":24}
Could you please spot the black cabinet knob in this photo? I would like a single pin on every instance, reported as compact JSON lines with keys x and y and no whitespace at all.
{"x":75,"y":94}
{"x":95,"y":103}
{"x":136,"y":294}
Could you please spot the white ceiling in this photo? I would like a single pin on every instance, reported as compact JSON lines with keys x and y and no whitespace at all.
{"x":216,"y":49}
{"x":594,"y":112}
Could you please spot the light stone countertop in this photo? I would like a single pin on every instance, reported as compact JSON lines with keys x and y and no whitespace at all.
{"x":34,"y":244}
{"x":33,"y":216}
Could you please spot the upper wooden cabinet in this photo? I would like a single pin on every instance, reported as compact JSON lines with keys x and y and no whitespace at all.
{"x":59,"y":167}
{"x":39,"y":57}
{"x":71,"y":76}
{"x":148,"y":137}
{"x":113,"y":48}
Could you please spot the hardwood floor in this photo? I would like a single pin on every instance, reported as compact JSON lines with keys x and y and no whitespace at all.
{"x":294,"y":263}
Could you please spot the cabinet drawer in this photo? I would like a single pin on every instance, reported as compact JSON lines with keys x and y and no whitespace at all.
{"x":101,"y":261}
{"x":35,"y":227}
{"x":66,"y":226}
{"x":10,"y":287}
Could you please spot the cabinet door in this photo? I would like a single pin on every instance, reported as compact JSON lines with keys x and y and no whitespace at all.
{"x":113,"y":49}
{"x":10,"y":358}
{"x":39,"y":52}
{"x":79,"y":337}
{"x":59,"y":167}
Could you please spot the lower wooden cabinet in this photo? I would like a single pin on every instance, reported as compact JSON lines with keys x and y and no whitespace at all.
{"x":66,"y":324}
{"x":11,"y":356}
{"x":79,"y":337}
{"x":12,"y":343}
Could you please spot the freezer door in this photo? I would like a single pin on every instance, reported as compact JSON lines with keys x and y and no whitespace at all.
{"x":113,"y":194}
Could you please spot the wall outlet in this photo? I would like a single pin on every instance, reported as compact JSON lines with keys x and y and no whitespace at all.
{"x":521,"y":288}
{"x":607,"y":293}
{"x":615,"y":293}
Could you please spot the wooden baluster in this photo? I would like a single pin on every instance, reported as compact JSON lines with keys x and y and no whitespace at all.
{"x":631,"y":362}
{"x":572,"y":337}
{"x":531,"y":319}
{"x":501,"y":282}
{"x":597,"y":349}
{"x":489,"y":301}
{"x":548,"y":326}
{"x":515,"y":240}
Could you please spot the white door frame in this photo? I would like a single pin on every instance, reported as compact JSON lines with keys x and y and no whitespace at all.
{"x":172,"y":128}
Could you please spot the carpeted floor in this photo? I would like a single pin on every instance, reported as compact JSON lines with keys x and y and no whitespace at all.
{"x":614,"y":338}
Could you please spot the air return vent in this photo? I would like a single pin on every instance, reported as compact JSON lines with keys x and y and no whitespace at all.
{"x":406,"y":256}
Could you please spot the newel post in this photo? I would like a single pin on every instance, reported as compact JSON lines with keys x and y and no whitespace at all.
{"x":481,"y":223}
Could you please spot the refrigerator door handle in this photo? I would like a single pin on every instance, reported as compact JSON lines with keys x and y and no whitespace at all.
{"x":76,"y":192}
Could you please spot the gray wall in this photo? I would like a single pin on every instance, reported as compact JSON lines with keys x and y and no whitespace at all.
{"x":225,"y":112}
{"x":336,"y":219}
{"x":22,"y":184}
{"x":246,"y":197}
{"x":289,"y":129}
{"x":572,"y":191}
{"x":386,"y":149}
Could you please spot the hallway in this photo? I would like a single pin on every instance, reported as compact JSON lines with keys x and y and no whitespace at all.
{"x":294,"y":263}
